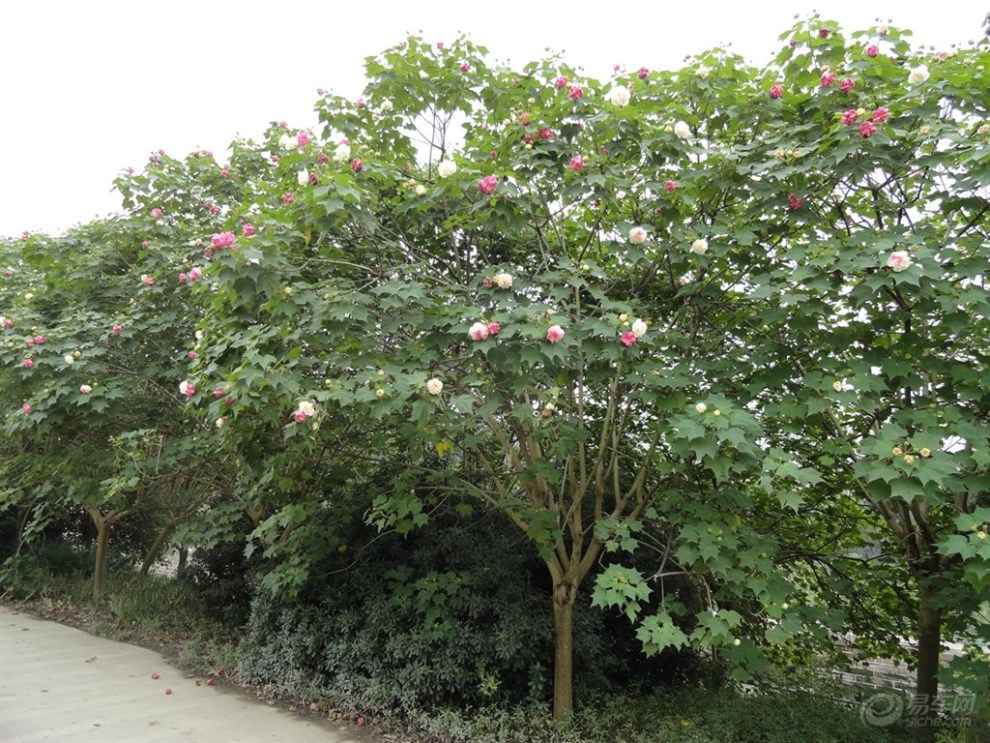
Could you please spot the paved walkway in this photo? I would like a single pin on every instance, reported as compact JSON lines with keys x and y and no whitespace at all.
{"x":62,"y":685}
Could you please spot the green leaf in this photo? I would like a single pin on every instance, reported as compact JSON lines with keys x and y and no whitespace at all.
{"x":658,"y":632}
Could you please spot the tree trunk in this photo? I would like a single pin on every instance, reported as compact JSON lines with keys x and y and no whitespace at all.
{"x":183,"y":559}
{"x":22,"y":521}
{"x":100,"y":569}
{"x":156,"y":548}
{"x":564,"y":595}
{"x":929,"y":645}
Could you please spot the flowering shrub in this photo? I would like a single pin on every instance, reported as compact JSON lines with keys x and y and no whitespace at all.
{"x":720,"y":437}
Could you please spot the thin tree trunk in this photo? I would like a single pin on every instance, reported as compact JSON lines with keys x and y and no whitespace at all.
{"x":564,"y":595}
{"x":102,"y":544}
{"x":22,"y":521}
{"x":183,"y":559}
{"x":156,"y":548}
{"x":929,"y":645}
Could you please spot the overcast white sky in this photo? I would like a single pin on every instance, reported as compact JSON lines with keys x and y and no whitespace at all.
{"x":88,"y":87}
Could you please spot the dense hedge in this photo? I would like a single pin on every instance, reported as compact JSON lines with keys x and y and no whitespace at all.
{"x":438,"y":617}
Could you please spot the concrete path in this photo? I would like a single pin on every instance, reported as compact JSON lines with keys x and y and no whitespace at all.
{"x":62,"y":685}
